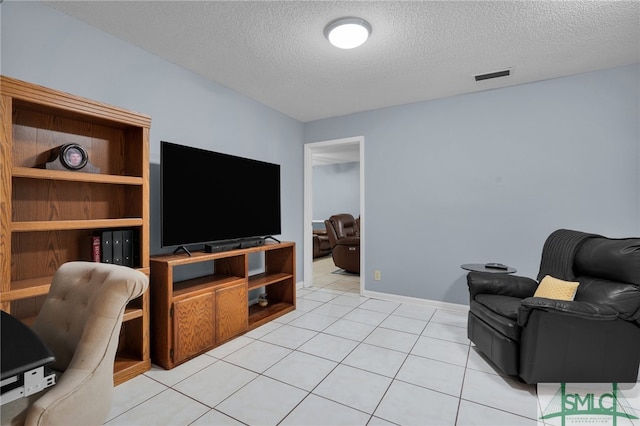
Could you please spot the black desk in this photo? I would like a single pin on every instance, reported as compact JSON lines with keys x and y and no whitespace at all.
{"x":480,"y":267}
{"x":23,"y":358}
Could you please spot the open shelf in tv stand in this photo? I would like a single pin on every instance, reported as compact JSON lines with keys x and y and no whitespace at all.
{"x":192,"y":316}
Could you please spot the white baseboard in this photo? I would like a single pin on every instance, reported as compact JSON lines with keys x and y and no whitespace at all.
{"x":417,"y":301}
{"x":406,"y":299}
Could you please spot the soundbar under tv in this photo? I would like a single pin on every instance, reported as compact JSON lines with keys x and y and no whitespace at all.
{"x":211,"y":197}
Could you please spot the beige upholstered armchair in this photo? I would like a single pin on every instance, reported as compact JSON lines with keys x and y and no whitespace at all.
{"x":80,"y":322}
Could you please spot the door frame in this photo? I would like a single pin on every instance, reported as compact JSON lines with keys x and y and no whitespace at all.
{"x":309,"y":150}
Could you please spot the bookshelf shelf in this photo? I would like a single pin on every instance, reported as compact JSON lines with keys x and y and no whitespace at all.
{"x":25,"y":172}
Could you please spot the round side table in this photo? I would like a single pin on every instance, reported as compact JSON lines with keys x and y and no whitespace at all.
{"x":481,"y":267}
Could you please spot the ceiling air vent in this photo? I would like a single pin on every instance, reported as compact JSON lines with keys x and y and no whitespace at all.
{"x":496,"y":74}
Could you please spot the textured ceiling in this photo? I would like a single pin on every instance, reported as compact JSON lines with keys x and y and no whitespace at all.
{"x":275,"y":51}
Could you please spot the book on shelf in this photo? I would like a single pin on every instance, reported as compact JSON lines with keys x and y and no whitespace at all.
{"x":117,"y":246}
{"x":95,"y":248}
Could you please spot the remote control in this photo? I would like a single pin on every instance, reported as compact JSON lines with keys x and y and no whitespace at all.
{"x":495,"y":266}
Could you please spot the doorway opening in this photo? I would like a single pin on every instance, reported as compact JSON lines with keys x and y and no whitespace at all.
{"x":325,"y":152}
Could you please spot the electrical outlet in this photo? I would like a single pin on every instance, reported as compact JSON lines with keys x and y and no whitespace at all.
{"x":376,"y":275}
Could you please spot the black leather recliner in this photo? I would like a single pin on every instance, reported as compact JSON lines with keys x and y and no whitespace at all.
{"x":344,"y":237}
{"x":593,"y":339}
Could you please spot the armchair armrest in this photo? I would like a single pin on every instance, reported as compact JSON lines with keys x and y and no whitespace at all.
{"x":586,"y":310}
{"x":506,"y":285}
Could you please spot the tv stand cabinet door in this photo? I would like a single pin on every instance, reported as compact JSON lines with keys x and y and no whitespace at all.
{"x":232,"y":311}
{"x":193,"y":326}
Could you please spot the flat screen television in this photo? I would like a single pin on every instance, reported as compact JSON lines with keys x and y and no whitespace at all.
{"x":209,"y":197}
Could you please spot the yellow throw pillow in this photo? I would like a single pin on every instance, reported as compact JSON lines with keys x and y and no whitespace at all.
{"x":554,"y":288}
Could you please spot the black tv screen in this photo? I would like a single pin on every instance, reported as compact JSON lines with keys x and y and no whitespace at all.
{"x":209,"y":196}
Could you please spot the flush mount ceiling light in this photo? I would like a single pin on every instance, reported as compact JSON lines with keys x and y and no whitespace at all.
{"x":347,"y":33}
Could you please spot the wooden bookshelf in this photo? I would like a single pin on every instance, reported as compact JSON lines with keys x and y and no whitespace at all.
{"x":47,"y":216}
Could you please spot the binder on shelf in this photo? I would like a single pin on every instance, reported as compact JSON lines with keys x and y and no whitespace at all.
{"x":127,"y":247}
{"x":117,"y":246}
{"x":107,"y":247}
{"x":135,"y":248}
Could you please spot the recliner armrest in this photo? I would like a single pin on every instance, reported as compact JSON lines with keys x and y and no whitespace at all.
{"x":586,"y":310}
{"x":503,"y":284}
{"x":348,"y":241}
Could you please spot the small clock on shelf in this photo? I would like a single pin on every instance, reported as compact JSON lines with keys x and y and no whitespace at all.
{"x":71,"y":156}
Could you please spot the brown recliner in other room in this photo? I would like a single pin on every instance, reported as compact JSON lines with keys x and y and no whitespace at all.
{"x":321,"y":244}
{"x":344,"y":237}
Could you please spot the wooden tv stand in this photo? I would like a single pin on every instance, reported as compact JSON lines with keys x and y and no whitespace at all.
{"x":192,"y":316}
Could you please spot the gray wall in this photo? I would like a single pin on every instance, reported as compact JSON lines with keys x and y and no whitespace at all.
{"x":486,"y":177}
{"x":44,"y":46}
{"x":336,"y":189}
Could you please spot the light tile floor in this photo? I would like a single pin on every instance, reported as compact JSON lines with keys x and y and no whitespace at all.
{"x":339,"y":359}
